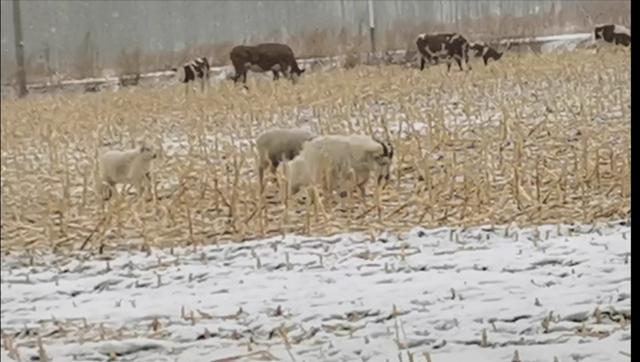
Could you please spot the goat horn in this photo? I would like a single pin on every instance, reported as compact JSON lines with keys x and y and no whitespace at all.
{"x":386,"y":151}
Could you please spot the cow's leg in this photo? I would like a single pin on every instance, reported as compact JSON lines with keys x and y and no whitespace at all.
{"x":459,"y":61}
{"x":486,"y":60}
{"x":286,"y":72}
{"x":240,"y":70}
{"x":276,"y":75}
{"x":422,"y":61}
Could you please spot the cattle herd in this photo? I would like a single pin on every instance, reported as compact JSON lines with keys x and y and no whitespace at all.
{"x":279,"y":58}
{"x":333,"y":162}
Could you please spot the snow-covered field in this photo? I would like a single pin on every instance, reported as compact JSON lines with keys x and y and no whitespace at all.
{"x":553,"y":291}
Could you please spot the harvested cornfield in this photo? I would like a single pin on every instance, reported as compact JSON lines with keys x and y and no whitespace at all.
{"x":532,"y":139}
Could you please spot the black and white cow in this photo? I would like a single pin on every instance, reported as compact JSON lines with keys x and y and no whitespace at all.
{"x":196,"y":69}
{"x":483,"y":50}
{"x":449,"y":46}
{"x":612,"y":33}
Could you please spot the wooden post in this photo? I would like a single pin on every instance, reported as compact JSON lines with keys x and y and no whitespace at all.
{"x":372,"y":27}
{"x":17,"y":31}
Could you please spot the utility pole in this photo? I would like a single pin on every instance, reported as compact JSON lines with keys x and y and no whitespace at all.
{"x":17,"y":31}
{"x":372,"y":27}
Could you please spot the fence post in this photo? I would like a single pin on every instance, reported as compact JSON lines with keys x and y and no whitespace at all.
{"x":17,"y":31}
{"x":372,"y":27}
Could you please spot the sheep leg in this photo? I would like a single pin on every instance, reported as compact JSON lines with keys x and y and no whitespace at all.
{"x":261,"y":178}
{"x":148,"y":186}
{"x":362,"y":191}
{"x":109,"y":190}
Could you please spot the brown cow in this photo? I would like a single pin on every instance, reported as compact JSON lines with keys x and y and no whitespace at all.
{"x":443,"y":45}
{"x":612,"y":33}
{"x":274,"y":57}
{"x":485,"y":51}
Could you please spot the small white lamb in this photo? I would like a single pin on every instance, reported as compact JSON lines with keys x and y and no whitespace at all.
{"x":125,"y":167}
{"x":329,"y":160}
{"x":279,"y":144}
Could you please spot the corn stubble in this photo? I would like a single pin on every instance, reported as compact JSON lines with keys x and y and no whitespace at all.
{"x":531,"y":139}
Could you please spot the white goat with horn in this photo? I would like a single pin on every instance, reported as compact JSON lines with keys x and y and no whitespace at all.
{"x":329,"y":160}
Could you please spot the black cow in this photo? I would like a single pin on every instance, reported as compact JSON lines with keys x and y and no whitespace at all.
{"x":274,"y":57}
{"x":485,"y":51}
{"x":612,"y":33}
{"x":449,"y":46}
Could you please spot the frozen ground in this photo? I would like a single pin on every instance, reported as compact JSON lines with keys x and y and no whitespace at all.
{"x":344,"y":298}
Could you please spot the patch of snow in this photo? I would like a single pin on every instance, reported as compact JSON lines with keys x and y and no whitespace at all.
{"x":339,"y":298}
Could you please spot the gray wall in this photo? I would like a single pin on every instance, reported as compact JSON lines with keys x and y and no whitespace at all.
{"x":172,"y":25}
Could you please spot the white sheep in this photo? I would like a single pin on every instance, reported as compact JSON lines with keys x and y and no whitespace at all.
{"x":278,"y":144}
{"x":329,"y":160}
{"x":125,"y":167}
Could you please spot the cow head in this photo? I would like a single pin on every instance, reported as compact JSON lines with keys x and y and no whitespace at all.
{"x":597,"y":32}
{"x":477,"y":48}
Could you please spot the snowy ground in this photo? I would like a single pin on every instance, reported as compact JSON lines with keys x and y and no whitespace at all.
{"x":344,"y":298}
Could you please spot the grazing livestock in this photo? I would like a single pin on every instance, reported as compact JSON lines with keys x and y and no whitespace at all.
{"x":443,"y":45}
{"x":485,"y":51}
{"x":197,"y":69}
{"x":126,"y":167}
{"x":274,"y":57}
{"x":279,"y":144}
{"x":612,"y":33}
{"x":329,"y":160}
